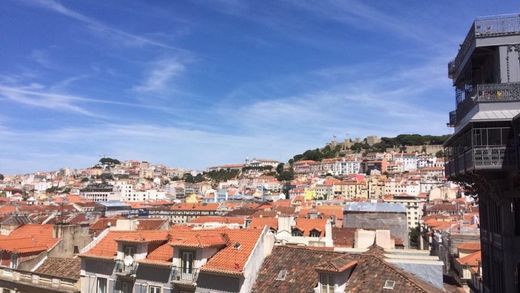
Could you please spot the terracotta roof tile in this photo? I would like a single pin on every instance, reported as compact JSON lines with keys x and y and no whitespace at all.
{"x":233,"y":257}
{"x":307,"y":225}
{"x":470,"y":260}
{"x":472,"y":246}
{"x":259,"y":223}
{"x":218,"y":219}
{"x":61,"y":267}
{"x":29,"y":238}
{"x":107,"y":247}
{"x":369,"y":274}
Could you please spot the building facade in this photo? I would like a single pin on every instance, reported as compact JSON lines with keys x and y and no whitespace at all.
{"x":483,"y":151}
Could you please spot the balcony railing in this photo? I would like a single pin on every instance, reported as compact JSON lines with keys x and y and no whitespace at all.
{"x":497,"y":25}
{"x":482,"y":158}
{"x":486,"y":93}
{"x":184,"y":275}
{"x":481,"y":28}
{"x":125,"y":270}
{"x":453,"y":119}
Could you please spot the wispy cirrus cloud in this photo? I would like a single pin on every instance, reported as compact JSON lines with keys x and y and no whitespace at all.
{"x":152,"y":142}
{"x":160,"y":75}
{"x":39,"y":96}
{"x":130,"y":38}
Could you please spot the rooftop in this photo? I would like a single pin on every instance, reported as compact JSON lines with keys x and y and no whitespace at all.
{"x":301,"y":265}
{"x":379,"y":207}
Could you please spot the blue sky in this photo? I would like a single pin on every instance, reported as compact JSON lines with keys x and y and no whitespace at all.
{"x":198,"y":83}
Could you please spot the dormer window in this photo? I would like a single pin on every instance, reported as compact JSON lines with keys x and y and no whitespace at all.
{"x":296,"y":232}
{"x":282,"y":274}
{"x":129,"y":250}
{"x":315,"y":233}
{"x":326,"y":283}
{"x":389,"y":284}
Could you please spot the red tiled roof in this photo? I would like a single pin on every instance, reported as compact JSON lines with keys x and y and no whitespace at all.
{"x":259,"y":223}
{"x":471,"y":259}
{"x":61,"y":267}
{"x":163,"y":254}
{"x":219,"y":219}
{"x":196,"y":206}
{"x":29,"y":238}
{"x":472,"y":246}
{"x":107,"y":247}
{"x":101,"y":224}
{"x":233,"y":257}
{"x":7,"y":209}
{"x":150,"y":224}
{"x":307,"y":225}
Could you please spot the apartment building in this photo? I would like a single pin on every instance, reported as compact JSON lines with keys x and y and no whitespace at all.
{"x":180,"y":260}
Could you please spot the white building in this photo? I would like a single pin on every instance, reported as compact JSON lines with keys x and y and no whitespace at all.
{"x":408,"y":162}
{"x":346,"y":167}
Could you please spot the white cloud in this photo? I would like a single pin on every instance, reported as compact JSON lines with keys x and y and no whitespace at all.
{"x":37,"y":95}
{"x":160,"y":75}
{"x":95,"y":25}
{"x":171,"y":145}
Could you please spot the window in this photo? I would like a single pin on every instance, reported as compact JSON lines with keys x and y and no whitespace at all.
{"x":326,"y":283}
{"x":101,"y":285}
{"x":123,"y":287}
{"x":296,"y":232}
{"x":389,"y":284}
{"x":187,"y":262}
{"x":154,"y":289}
{"x":315,"y":233}
{"x":129,"y":250}
{"x":14,"y":260}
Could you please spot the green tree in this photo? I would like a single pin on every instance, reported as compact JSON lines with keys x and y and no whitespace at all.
{"x":188,"y":178}
{"x":1,"y":177}
{"x":109,"y":161}
{"x":279,"y":168}
{"x":439,"y":154}
{"x":286,"y":175}
{"x":415,"y":234}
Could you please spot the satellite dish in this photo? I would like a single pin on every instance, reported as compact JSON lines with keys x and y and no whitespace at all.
{"x":128,"y":261}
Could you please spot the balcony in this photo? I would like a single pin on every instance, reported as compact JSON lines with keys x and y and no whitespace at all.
{"x":481,"y":149}
{"x":125,"y":270}
{"x":184,"y":275}
{"x":484,"y":93}
{"x":482,"y":158}
{"x":453,"y":119}
{"x":451,"y":69}
{"x":483,"y":28}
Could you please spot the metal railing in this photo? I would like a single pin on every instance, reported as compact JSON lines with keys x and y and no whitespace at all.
{"x":482,"y":158}
{"x":184,"y":275}
{"x":126,"y":270}
{"x":497,"y":25}
{"x":481,"y":28}
{"x":493,"y":157}
{"x":453,"y":118}
{"x":487,"y":93}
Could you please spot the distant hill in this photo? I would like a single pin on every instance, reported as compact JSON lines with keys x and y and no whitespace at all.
{"x":333,"y":150}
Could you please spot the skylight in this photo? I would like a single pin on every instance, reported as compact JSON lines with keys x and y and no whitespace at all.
{"x":389,"y":284}
{"x":281,"y":275}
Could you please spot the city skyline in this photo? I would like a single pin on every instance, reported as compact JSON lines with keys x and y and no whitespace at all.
{"x":163,"y":83}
